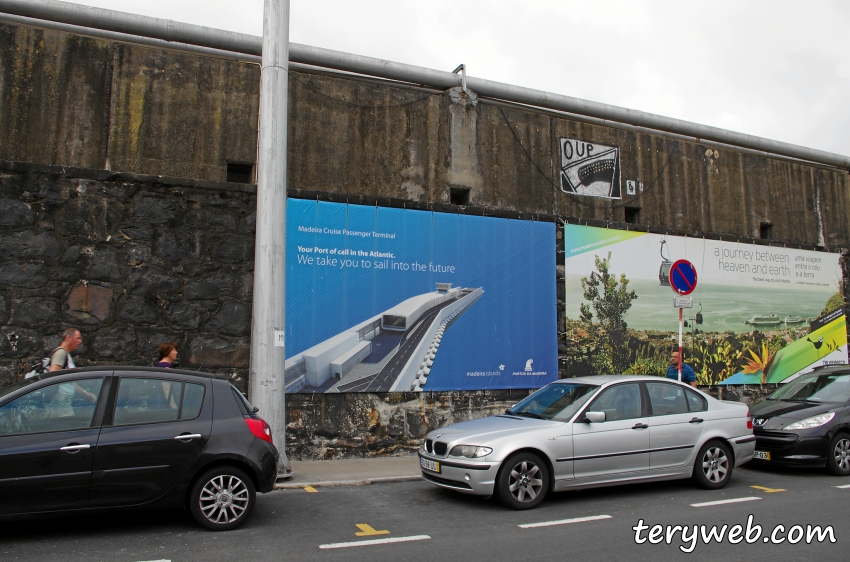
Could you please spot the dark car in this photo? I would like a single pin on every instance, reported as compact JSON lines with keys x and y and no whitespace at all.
{"x":806,"y":422}
{"x":102,"y":438}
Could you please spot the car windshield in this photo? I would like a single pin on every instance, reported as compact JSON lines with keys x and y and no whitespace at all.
{"x":557,"y":401}
{"x":817,"y":388}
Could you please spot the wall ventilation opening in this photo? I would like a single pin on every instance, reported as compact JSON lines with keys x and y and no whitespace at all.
{"x":459,"y":195}
{"x":766,"y":231}
{"x":239,"y":172}
{"x":633,"y":215}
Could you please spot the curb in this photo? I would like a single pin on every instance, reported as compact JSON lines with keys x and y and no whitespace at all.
{"x":333,"y":483}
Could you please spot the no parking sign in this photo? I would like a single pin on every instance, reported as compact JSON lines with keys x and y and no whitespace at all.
{"x":683,"y":277}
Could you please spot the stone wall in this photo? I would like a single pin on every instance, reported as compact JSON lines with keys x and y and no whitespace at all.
{"x":132,"y":261}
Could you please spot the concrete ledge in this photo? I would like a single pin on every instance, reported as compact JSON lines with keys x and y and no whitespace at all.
{"x":351,"y":472}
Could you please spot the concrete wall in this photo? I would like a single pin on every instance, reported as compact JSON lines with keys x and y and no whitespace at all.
{"x":77,"y":101}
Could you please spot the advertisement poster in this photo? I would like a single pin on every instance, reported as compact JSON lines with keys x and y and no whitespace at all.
{"x":761,"y":314}
{"x":388,"y":300}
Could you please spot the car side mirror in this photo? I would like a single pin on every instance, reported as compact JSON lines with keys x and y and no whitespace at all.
{"x":595,"y":417}
{"x":255,"y":409}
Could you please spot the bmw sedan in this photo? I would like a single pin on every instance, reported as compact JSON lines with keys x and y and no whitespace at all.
{"x":806,"y":422}
{"x":102,"y":437}
{"x":589,"y":432}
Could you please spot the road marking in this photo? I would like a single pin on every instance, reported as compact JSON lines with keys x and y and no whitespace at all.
{"x":374,"y":542}
{"x":844,"y":487}
{"x":368,"y":531}
{"x":564,"y":521}
{"x":721,"y":502}
{"x":310,"y":489}
{"x":768,"y":490}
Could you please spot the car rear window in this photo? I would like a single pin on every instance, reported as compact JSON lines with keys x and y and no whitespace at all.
{"x":156,"y":400}
{"x":244,"y":406}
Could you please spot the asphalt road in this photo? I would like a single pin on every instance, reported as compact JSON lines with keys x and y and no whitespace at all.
{"x":300,"y":525}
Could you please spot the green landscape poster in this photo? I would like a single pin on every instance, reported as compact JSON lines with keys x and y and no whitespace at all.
{"x":761,"y":314}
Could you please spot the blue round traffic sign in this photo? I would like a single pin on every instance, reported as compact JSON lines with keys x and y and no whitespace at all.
{"x":683,"y":277}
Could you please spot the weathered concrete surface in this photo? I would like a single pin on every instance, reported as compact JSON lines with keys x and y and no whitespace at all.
{"x":78,"y":101}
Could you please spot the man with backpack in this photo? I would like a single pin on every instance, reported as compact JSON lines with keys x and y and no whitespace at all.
{"x":61,"y":356}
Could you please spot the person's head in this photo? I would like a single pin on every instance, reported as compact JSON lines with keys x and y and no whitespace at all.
{"x":71,"y":339}
{"x":674,"y":357}
{"x":168,"y":351}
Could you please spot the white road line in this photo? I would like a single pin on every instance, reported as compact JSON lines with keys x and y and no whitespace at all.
{"x":564,"y":521}
{"x":844,"y":486}
{"x":722,"y":502}
{"x":374,"y":542}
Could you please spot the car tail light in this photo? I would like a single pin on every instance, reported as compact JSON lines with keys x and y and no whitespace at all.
{"x":749,"y":420}
{"x":260,"y":429}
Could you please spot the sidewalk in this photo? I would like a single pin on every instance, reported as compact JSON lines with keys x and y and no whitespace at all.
{"x":351,"y":472}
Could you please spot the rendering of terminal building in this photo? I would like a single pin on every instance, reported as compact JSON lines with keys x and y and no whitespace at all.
{"x":391,"y":351}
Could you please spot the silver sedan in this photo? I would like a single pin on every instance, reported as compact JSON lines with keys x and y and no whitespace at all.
{"x":589,"y":432}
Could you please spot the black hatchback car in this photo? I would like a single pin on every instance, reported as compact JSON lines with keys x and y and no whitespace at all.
{"x":806,"y":422}
{"x":103,"y":437}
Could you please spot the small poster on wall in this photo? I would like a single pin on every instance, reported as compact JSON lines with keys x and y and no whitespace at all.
{"x":590,"y":169}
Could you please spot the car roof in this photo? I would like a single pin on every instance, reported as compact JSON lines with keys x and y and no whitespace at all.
{"x":133,"y":368}
{"x":830,"y":369}
{"x":607,"y":379}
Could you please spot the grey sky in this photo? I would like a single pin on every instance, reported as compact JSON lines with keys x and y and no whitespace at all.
{"x":773,"y":68}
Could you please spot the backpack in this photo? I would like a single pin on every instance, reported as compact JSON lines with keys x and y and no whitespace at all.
{"x":41,"y":366}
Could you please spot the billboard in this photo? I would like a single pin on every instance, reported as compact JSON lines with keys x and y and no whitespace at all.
{"x":761,"y":313}
{"x":385,"y":299}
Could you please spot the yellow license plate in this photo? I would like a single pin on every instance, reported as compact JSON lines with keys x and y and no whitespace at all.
{"x":433,"y":466}
{"x":761,"y":455}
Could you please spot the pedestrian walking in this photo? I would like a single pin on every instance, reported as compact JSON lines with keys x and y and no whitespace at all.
{"x":688,"y":374}
{"x":167,"y":355}
{"x":61,"y":356}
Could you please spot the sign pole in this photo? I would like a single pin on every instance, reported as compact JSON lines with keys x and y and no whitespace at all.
{"x":680,"y":345}
{"x":683,"y":281}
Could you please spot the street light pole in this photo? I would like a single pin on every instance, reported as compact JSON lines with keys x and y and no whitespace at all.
{"x":268,"y":327}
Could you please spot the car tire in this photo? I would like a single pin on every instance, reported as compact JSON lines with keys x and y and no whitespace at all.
{"x":222,"y":498}
{"x":838,"y":456}
{"x":523,"y":481}
{"x":713,"y":465}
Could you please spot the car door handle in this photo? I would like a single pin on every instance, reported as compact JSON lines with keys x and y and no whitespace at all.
{"x":696,"y":420}
{"x":74,"y":448}
{"x":188,"y":436}
{"x":639,"y":426}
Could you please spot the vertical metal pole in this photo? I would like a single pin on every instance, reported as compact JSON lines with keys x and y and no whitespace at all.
{"x":266,"y":382}
{"x":680,"y":345}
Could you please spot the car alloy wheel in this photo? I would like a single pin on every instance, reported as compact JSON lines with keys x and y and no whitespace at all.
{"x":523,"y":481}
{"x":838,"y":461}
{"x":223,"y":499}
{"x":713,"y":466}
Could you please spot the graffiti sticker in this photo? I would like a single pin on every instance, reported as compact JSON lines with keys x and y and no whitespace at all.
{"x":590,"y":169}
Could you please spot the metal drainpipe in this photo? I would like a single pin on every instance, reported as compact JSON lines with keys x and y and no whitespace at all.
{"x":230,"y":41}
{"x":268,"y":319}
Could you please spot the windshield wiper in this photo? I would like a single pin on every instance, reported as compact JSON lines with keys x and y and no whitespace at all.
{"x":529,"y":415}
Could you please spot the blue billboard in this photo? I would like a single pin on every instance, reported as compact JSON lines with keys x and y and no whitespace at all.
{"x":385,"y":299}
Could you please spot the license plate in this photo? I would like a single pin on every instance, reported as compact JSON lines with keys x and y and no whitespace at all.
{"x":763,"y":455}
{"x":433,"y":466}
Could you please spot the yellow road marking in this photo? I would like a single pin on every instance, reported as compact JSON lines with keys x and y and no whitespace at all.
{"x":768,"y":490}
{"x":310,"y":489}
{"x":368,"y":531}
